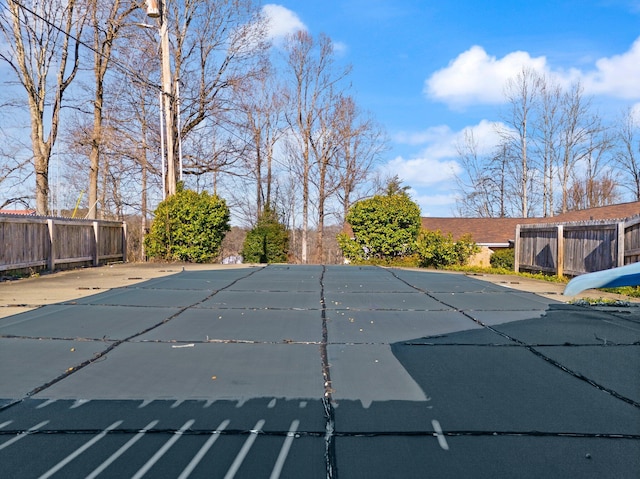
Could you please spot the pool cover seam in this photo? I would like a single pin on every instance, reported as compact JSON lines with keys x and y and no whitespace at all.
{"x":608,"y":344}
{"x":336,"y":434}
{"x":329,"y":435}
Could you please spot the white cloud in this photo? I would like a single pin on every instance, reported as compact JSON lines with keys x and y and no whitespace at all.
{"x":340,"y":48}
{"x":475,"y":77}
{"x":441,"y":142}
{"x":436,"y":162}
{"x":485,"y":135}
{"x":635,"y":113}
{"x":282,"y":21}
{"x":431,"y":172}
{"x":421,"y":137}
{"x":437,"y":142}
{"x":616,"y":76}
{"x":434,"y":205}
{"x":422,"y":171}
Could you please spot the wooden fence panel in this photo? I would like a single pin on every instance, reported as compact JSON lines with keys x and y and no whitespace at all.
{"x":74,"y":243}
{"x":110,"y":241}
{"x":589,"y":248}
{"x":632,"y":242}
{"x":24,"y":243}
{"x":579,"y":247}
{"x":538,"y":249}
{"x":38,"y":242}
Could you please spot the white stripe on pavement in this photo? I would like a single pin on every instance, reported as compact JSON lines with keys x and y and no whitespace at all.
{"x":79,"y":402}
{"x":22,"y":435}
{"x":284,"y":452}
{"x":78,"y":451}
{"x":245,"y":450}
{"x":203,"y":450}
{"x":121,"y":451}
{"x":176,"y":435}
{"x":46,"y":403}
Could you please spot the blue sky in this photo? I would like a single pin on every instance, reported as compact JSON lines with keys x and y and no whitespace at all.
{"x":427,"y":70}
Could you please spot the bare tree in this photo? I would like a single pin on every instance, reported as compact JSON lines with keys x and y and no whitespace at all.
{"x":587,"y":193}
{"x":39,"y":42}
{"x":361,"y":142}
{"x":578,"y":138}
{"x":261,"y":109}
{"x":304,"y":98}
{"x":313,"y":83}
{"x":548,"y":126}
{"x":120,"y":133}
{"x":216,"y":45}
{"x":324,"y":145}
{"x":14,"y":170}
{"x":627,"y":154}
{"x":596,"y":174}
{"x":106,"y":23}
{"x":521,"y":93}
{"x":11,"y":176}
{"x":477,"y":185}
{"x":133,"y":137}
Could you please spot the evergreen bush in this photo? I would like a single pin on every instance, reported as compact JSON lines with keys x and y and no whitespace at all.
{"x":188,"y":226}
{"x":384,"y":229}
{"x":268,"y":241}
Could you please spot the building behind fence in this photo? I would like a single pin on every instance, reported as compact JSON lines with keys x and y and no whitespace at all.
{"x":42,"y":243}
{"x":577,"y":248}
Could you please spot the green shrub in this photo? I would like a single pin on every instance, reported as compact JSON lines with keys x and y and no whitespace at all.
{"x":268,"y":241}
{"x":436,"y":250}
{"x":384,"y":228}
{"x":503,"y":258}
{"x":631,"y":291}
{"x":188,"y":226}
{"x":407,"y":261}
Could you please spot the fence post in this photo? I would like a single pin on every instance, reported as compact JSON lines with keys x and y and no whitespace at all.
{"x":96,"y":243}
{"x":516,"y":253}
{"x":560,"y":252}
{"x":124,"y":241}
{"x":621,"y":245}
{"x":52,"y":256}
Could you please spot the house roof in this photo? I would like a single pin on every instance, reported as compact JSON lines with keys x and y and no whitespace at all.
{"x":18,"y":212}
{"x":499,"y":231}
{"x":611,"y":212}
{"x":486,"y":231}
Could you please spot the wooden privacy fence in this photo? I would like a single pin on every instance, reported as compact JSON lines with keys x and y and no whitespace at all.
{"x":45,"y":243}
{"x":577,"y":248}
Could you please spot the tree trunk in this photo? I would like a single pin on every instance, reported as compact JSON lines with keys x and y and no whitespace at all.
{"x":305,"y":209}
{"x":94,"y":159}
{"x":42,"y":183}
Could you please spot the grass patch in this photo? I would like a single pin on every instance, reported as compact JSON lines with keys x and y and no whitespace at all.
{"x":631,"y":291}
{"x":599,"y":302}
{"x":552,"y":278}
{"x":505,"y":271}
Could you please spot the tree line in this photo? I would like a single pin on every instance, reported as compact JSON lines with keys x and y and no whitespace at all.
{"x":268,"y":124}
{"x":555,"y":154}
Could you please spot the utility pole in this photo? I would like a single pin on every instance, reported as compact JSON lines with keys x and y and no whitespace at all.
{"x":167,"y":91}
